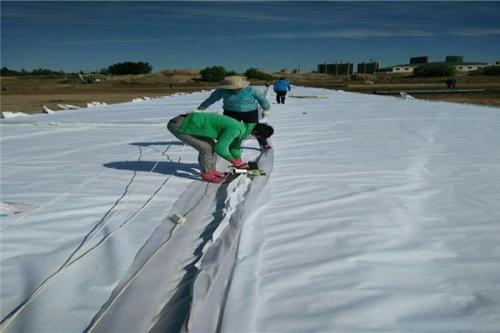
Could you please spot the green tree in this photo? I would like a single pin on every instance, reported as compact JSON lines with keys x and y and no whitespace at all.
{"x":37,"y":72}
{"x":44,"y":71}
{"x":213,"y":74}
{"x":434,"y":70}
{"x":129,"y":67}
{"x":254,"y":73}
{"x":491,"y":70}
{"x":231,"y":73}
{"x":8,"y":72}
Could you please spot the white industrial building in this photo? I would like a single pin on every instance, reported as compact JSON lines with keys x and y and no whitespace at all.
{"x":456,"y":61}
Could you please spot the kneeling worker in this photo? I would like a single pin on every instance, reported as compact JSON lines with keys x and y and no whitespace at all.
{"x":211,"y":134}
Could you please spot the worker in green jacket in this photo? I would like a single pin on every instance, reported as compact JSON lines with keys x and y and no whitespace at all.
{"x":213,"y":134}
{"x":240,"y":101}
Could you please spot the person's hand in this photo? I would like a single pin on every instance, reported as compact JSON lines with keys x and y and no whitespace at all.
{"x":197,"y":110}
{"x":266,"y":113}
{"x":239,"y":164}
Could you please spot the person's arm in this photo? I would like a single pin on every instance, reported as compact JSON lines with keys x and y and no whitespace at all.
{"x":235,"y":149}
{"x":225,"y":147}
{"x":214,"y":97}
{"x":289,"y":85}
{"x":264,"y":103}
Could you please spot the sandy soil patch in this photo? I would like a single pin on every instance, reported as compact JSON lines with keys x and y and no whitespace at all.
{"x":30,"y":94}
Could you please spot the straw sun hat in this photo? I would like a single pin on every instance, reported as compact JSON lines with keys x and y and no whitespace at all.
{"x":235,"y":82}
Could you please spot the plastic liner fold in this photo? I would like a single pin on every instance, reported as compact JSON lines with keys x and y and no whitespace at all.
{"x":183,"y":270}
{"x":216,"y":266}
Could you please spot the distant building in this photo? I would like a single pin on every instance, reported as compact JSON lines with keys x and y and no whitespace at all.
{"x":368,"y":67}
{"x":454,"y":59}
{"x":404,"y":68}
{"x":457,"y":61}
{"x":336,"y":69}
{"x":470,"y":66}
{"x":419,"y":60}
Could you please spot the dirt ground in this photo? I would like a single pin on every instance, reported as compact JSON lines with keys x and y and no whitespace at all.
{"x":491,"y":95}
{"x":29,"y":94}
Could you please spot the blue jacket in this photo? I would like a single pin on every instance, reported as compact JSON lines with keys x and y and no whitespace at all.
{"x":281,"y":85}
{"x":242,"y":100}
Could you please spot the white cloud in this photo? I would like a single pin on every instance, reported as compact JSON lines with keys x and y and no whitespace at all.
{"x":347,"y":34}
{"x":350,"y":34}
{"x":477,"y":32}
{"x":106,"y":42}
{"x":208,"y":13}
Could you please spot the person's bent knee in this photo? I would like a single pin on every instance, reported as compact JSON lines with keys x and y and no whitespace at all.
{"x":174,"y":123}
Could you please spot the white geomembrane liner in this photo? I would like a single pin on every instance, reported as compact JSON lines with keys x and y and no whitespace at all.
{"x":384,"y":217}
{"x":381,"y":214}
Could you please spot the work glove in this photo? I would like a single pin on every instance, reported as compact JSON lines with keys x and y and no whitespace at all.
{"x":239,"y":164}
{"x":212,"y":177}
{"x":266,"y":113}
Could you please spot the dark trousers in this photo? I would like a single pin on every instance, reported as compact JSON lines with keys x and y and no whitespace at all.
{"x":247,"y":118}
{"x":280,"y":97}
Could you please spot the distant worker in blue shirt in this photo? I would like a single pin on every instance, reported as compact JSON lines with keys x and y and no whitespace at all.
{"x":240,"y":102}
{"x":281,"y":87}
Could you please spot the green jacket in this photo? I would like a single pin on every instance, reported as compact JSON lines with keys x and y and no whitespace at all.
{"x":227,"y":132}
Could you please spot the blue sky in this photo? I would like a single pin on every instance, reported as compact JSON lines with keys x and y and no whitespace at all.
{"x":73,"y":36}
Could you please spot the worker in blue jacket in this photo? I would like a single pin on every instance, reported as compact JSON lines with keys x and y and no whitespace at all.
{"x":281,"y":87}
{"x":240,"y":102}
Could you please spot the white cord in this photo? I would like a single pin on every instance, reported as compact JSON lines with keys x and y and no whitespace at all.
{"x":13,"y":315}
{"x":131,"y":217}
{"x":78,"y":188}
